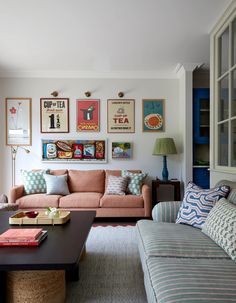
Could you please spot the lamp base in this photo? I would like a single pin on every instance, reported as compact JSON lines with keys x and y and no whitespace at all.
{"x":165,"y":173}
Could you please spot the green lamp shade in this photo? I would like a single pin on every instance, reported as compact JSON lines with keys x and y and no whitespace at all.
{"x":164,"y":146}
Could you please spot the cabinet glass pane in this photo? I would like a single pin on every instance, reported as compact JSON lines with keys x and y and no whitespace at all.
{"x":224,"y":99}
{"x":223,"y":139}
{"x":234,"y":42}
{"x":233,"y":138}
{"x":224,"y":52}
{"x":233,"y":109}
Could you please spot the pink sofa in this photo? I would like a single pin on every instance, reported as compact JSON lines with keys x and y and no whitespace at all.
{"x":87,"y":189}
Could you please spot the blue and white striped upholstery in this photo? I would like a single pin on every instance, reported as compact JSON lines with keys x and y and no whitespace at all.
{"x":177,"y":280}
{"x":175,"y":240}
{"x":166,"y":211}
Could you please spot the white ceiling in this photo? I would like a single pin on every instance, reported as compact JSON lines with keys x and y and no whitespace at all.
{"x":105,"y":36}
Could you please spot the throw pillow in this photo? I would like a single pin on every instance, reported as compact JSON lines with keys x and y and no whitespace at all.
{"x":198,"y":202}
{"x":34,"y":182}
{"x":220,"y":226}
{"x":56,"y":185}
{"x":134,"y":181}
{"x":116,"y":185}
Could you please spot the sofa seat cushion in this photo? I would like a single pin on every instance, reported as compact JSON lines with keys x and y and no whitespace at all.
{"x":158,"y":239}
{"x":86,"y":181}
{"x":88,"y":199}
{"x":114,"y":201}
{"x":169,"y":280}
{"x":38,"y":201}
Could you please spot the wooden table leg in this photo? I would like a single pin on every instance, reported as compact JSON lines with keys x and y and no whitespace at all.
{"x":41,"y":286}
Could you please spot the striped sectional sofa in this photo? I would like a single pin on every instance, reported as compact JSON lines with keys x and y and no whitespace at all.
{"x":180,"y":263}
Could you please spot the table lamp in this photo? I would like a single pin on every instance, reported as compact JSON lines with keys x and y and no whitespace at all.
{"x":164,"y":147}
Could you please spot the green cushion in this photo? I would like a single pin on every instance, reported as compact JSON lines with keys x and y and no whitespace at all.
{"x":134,"y":181}
{"x":34,"y":182}
{"x":220,"y":226}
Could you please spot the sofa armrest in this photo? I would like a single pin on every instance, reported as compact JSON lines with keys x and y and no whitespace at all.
{"x":147,"y":198}
{"x":166,"y":211}
{"x":15,"y":193}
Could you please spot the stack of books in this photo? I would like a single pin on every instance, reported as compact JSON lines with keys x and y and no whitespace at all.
{"x":22,"y":237}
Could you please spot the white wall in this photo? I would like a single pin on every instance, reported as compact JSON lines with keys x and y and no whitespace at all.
{"x":102,"y":89}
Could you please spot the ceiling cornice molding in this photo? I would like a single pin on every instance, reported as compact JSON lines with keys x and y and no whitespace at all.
{"x":186,"y":67}
{"x":90,"y":74}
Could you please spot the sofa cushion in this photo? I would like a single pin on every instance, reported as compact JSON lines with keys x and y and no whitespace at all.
{"x":121,"y":201}
{"x":172,"y":280}
{"x":86,"y":181}
{"x":220,"y":226}
{"x":34,"y":181}
{"x":135,"y":181}
{"x":198,"y":202}
{"x":56,"y":185}
{"x":114,"y":172}
{"x":158,"y":239}
{"x":38,"y":201}
{"x":82,"y":200}
{"x":116,"y":185}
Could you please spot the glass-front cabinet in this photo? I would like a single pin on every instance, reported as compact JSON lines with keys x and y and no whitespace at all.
{"x":201,"y":127}
{"x":225,"y":97}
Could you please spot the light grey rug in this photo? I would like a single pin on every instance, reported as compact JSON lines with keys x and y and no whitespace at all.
{"x":111,"y":271}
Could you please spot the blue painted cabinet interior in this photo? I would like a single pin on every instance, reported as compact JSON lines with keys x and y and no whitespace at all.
{"x":201,"y":128}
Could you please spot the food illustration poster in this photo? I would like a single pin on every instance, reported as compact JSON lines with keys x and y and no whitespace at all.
{"x":120,"y":116}
{"x":73,"y":149}
{"x":54,"y":115}
{"x":88,"y":115}
{"x":153,"y":115}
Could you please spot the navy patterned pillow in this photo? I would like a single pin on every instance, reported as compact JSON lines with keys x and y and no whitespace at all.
{"x":198,"y":202}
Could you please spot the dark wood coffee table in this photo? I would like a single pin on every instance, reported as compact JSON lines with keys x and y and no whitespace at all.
{"x":40,"y":271}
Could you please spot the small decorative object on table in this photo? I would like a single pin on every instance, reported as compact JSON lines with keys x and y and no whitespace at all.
{"x":52,"y":216}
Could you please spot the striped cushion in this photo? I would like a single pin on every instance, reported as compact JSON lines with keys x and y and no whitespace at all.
{"x":198,"y":202}
{"x":175,"y":240}
{"x":176,"y":280}
{"x":116,"y":185}
{"x":166,"y":211}
{"x":220,"y":226}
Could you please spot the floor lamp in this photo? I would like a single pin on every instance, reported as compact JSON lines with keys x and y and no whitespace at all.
{"x":14,"y":150}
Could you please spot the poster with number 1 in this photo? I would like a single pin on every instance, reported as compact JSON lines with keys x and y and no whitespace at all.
{"x":54,"y":115}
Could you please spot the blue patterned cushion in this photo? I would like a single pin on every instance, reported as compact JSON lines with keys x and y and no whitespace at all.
{"x":135,"y":181}
{"x":198,"y":202}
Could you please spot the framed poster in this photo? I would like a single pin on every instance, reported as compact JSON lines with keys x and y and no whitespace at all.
{"x":121,"y":150}
{"x":54,"y":115}
{"x":83,"y":151}
{"x":153,"y":119}
{"x":18,"y":121}
{"x":88,"y":115}
{"x":120,"y":116}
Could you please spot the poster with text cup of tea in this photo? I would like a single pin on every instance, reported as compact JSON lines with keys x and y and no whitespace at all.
{"x":54,"y":115}
{"x":120,"y":116}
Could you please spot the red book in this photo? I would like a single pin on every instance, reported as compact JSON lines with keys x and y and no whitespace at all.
{"x":34,"y":242}
{"x":20,"y":234}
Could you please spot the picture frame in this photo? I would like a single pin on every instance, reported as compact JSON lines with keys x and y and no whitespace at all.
{"x":121,"y":150}
{"x":120,"y":116}
{"x":88,"y":115}
{"x":54,"y":115}
{"x":18,"y":119}
{"x":153,"y":115}
{"x":74,"y":150}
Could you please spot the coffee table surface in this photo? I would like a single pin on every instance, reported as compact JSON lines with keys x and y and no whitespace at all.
{"x":60,"y":250}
